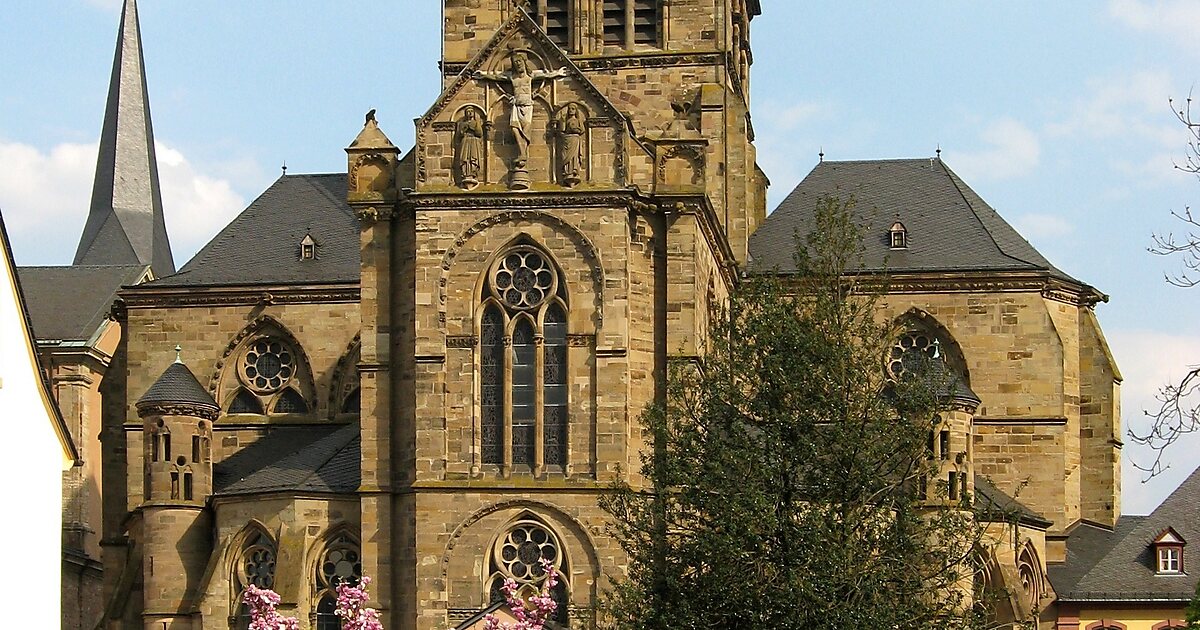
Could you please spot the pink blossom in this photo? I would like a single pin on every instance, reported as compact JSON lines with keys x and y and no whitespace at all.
{"x":351,"y":607}
{"x":262,"y":603}
{"x":530,"y":614}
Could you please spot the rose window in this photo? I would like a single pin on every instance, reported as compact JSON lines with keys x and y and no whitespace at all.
{"x":268,"y":365}
{"x":341,"y":565}
{"x":910,"y":350}
{"x":258,"y":566}
{"x":523,"y":548}
{"x":523,"y":279}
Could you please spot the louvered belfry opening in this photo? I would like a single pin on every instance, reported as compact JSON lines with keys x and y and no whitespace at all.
{"x":614,"y":22}
{"x":645,"y":22}
{"x":555,"y":19}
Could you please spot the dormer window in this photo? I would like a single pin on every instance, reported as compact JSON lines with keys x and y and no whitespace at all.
{"x":1168,"y":552}
{"x":308,"y":248}
{"x":898,"y":236}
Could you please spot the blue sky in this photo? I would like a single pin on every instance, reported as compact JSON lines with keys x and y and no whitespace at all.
{"x":1056,"y":113}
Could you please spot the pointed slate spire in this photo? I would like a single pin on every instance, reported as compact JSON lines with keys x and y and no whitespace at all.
{"x":125,"y":224}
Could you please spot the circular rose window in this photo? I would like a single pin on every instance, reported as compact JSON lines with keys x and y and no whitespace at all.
{"x":523,"y":548}
{"x":523,"y":279}
{"x":267,"y":365}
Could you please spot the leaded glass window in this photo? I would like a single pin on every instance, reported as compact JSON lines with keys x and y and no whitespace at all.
{"x":341,"y":563}
{"x":290,"y":401}
{"x":518,"y":555}
{"x":256,"y":565}
{"x":524,"y":392}
{"x":271,"y":373}
{"x":523,"y":395}
{"x":492,"y":386}
{"x":554,"y":387}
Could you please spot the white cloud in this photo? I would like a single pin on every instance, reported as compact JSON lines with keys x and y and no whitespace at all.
{"x":1148,"y":360}
{"x":1174,"y":19}
{"x":787,"y":117}
{"x":1042,"y":226}
{"x":45,"y":197}
{"x":1010,"y":150}
{"x":1133,"y":105}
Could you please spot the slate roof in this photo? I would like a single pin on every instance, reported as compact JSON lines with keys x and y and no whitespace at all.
{"x":177,"y":385}
{"x":993,"y":503}
{"x":950,"y":228}
{"x":70,"y":303}
{"x":321,"y":459}
{"x":1119,"y":565}
{"x":262,"y":245}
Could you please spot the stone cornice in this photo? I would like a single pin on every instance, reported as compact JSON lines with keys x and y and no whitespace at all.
{"x":207,"y":412}
{"x":151,"y":297}
{"x":1000,"y":281}
{"x":453,"y":201}
{"x":616,"y":62}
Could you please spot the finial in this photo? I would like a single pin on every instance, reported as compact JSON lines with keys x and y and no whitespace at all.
{"x":178,"y":353}
{"x":370,"y":117}
{"x":284,"y":167}
{"x":821,"y":155}
{"x":939,"y":151}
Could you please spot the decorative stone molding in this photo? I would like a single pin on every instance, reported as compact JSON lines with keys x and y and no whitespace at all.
{"x":138,"y":297}
{"x":581,"y":340}
{"x":179,"y":409}
{"x":585,"y":245}
{"x":461,"y":341}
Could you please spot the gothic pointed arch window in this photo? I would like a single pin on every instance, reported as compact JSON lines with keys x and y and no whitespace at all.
{"x":523,"y":362}
{"x":518,"y":554}
{"x":253,"y":565}
{"x":265,"y":373}
{"x":340,"y":563}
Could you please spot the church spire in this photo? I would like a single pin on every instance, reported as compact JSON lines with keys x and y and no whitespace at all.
{"x":125,"y":224}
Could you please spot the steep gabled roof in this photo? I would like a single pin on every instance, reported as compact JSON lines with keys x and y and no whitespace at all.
{"x":1119,"y":565}
{"x":71,"y":303}
{"x":950,"y":228}
{"x":125,"y":225}
{"x":262,"y":245}
{"x":312,"y":459}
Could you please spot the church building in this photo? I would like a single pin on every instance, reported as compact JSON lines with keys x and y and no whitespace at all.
{"x":426,"y":369}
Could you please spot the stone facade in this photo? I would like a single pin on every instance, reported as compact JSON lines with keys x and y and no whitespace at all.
{"x":577,"y":200}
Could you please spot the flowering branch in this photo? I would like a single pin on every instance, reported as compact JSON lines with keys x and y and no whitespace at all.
{"x":531,"y":614}
{"x":351,"y":607}
{"x":262,"y":603}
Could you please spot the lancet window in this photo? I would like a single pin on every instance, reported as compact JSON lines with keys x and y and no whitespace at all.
{"x":523,"y":362}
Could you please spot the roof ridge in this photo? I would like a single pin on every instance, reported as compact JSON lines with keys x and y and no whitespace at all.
{"x":954,"y":180}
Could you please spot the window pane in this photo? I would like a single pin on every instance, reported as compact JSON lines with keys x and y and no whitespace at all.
{"x":327,"y":619}
{"x":492,"y":386}
{"x":554,"y":387}
{"x":524,"y":392}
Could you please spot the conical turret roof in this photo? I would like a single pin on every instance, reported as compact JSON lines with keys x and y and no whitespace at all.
{"x":125,"y":224}
{"x":178,"y":386}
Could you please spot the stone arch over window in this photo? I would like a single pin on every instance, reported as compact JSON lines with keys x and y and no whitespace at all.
{"x":336,"y":559}
{"x":522,"y":353}
{"x":920,"y":334}
{"x":344,"y":392}
{"x":992,"y":598}
{"x":466,"y":579}
{"x":518,"y":553}
{"x":1032,"y":580}
{"x":1105,"y":624}
{"x":252,"y":556}
{"x":264,"y":372}
{"x":1170,"y":624}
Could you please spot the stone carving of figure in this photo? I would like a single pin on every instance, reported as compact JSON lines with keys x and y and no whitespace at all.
{"x":469,"y":148}
{"x":571,"y":127}
{"x":521,"y":78}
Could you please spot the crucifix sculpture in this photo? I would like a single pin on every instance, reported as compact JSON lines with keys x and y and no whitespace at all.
{"x":520,"y":77}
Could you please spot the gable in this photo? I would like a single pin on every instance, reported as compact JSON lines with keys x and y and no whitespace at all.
{"x":467,"y":139}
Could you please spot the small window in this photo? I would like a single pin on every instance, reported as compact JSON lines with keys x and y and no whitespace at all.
{"x":187,"y":486}
{"x":195,"y":448}
{"x":290,"y":401}
{"x":898,"y":235}
{"x":1169,"y":559}
{"x":353,"y":402}
{"x":308,"y":248}
{"x":245,"y":402}
{"x":944,"y":445}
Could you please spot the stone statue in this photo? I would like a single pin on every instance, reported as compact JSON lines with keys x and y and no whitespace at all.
{"x":469,"y":148}
{"x":571,"y":127}
{"x":521,"y":78}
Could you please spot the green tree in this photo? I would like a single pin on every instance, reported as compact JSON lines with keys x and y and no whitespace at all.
{"x":785,"y":487}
